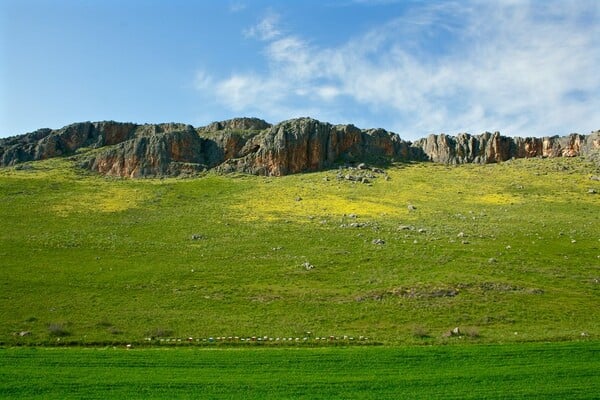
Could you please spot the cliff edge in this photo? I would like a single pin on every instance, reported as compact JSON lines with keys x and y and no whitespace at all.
{"x":251,"y":145}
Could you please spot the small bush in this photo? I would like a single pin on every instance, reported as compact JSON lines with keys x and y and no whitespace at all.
{"x":58,"y":330}
{"x":420,"y":332}
{"x":114,"y":330}
{"x":160,"y":332}
{"x":472,"y":332}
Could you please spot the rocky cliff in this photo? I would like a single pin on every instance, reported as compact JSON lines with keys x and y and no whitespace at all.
{"x":493,"y":147}
{"x":251,"y":145}
{"x":306,"y":144}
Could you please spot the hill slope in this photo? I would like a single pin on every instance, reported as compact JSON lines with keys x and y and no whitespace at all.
{"x":505,"y":252}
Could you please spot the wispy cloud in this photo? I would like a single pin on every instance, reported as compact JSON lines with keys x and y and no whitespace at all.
{"x":266,"y":29}
{"x":524,"y":69}
{"x":237,"y":6}
{"x":202,"y":81}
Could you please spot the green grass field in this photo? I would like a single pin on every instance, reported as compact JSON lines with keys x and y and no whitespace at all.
{"x":517,"y":371}
{"x":506,"y":252}
{"x":251,"y":287}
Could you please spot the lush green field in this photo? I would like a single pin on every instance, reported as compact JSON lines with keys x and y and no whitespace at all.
{"x":506,"y":252}
{"x":518,"y":371}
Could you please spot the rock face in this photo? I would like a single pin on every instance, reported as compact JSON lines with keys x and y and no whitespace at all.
{"x":251,"y":145}
{"x":492,"y":147}
{"x":237,"y":124}
{"x":46,"y":143}
{"x":160,"y":154}
{"x":306,"y":144}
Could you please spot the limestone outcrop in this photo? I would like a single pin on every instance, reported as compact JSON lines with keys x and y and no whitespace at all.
{"x":305,"y":144}
{"x":493,"y":147}
{"x":251,"y":145}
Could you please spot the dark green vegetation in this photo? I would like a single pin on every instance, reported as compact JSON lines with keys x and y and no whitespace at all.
{"x":506,"y":252}
{"x":517,"y":371}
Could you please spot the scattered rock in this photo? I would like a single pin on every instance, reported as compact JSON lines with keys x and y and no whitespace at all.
{"x":419,"y":292}
{"x":595,"y":178}
{"x":411,"y":207}
{"x":24,"y":333}
{"x":492,"y":260}
{"x":378,"y":241}
{"x":592,"y":191}
{"x":307,"y":266}
{"x":452,"y":333}
{"x":298,"y":198}
{"x":535,"y":291}
{"x":197,"y":236}
{"x":461,"y":235}
{"x":362,"y":166}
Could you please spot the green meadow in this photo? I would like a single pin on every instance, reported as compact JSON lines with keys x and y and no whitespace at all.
{"x":563,"y":370}
{"x":506,"y":252}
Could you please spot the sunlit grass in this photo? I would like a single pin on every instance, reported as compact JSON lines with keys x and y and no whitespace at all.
{"x":516,"y":371}
{"x":112,"y":260}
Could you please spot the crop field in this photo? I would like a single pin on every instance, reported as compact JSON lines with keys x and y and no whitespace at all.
{"x":504,"y":252}
{"x":565,"y":370}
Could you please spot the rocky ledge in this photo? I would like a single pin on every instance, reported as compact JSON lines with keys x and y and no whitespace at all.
{"x":253,"y":146}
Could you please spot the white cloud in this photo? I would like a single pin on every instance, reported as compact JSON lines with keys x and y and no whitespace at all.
{"x":524,"y":69}
{"x":202,"y":81}
{"x":266,"y":29}
{"x":327,"y":93}
{"x":237,"y":6}
{"x":242,"y":91}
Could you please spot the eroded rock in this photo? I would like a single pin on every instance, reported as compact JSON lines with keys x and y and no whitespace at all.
{"x":251,"y":145}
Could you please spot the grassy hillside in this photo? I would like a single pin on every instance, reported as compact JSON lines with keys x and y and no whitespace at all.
{"x":506,"y":252}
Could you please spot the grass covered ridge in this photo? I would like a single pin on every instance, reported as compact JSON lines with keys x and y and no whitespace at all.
{"x":505,"y":252}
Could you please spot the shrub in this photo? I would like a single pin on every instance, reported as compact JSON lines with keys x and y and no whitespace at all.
{"x":114,"y":330}
{"x":104,"y":324}
{"x":472,"y":332}
{"x":160,"y":332}
{"x":58,"y":330}
{"x":420,"y":332}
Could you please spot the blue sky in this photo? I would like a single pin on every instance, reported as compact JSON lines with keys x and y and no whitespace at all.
{"x":525,"y":68}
